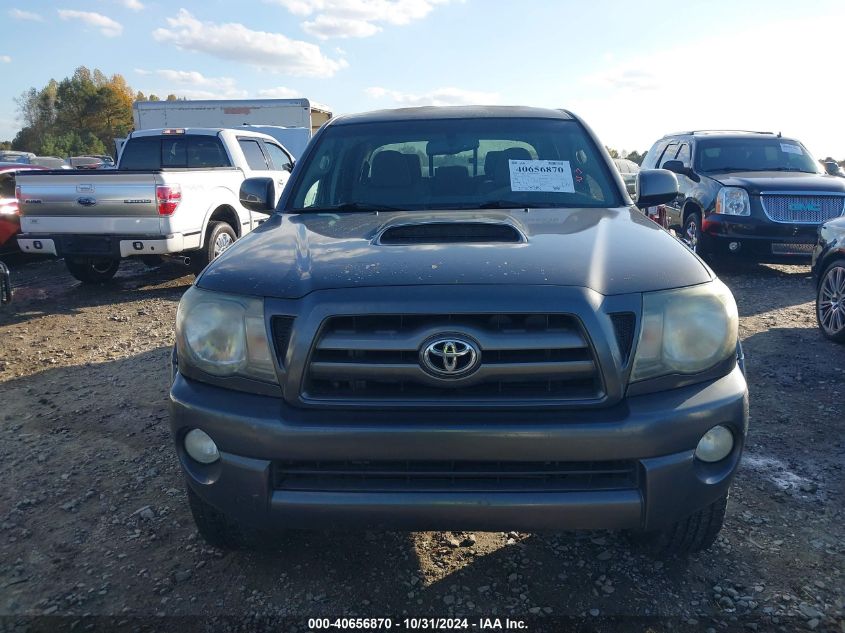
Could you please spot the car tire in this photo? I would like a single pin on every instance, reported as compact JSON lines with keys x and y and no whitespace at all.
{"x":830,"y":301}
{"x":691,"y":233}
{"x":92,"y":270}
{"x":218,"y":237}
{"x":695,"y":533}
{"x":217,"y":528}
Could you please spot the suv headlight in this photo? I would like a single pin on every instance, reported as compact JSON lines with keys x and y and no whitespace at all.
{"x":686,"y":331}
{"x":733,"y":201}
{"x":224,"y":335}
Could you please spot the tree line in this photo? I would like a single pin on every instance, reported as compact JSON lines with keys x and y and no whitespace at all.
{"x":81,"y":114}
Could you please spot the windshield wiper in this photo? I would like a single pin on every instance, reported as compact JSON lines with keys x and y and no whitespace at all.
{"x":350,"y":206}
{"x":511,"y":204}
{"x":759,"y":169}
{"x":803,"y":171}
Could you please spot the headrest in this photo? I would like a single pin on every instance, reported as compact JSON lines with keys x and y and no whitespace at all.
{"x":390,"y":170}
{"x":490,"y":161}
{"x":414,"y":166}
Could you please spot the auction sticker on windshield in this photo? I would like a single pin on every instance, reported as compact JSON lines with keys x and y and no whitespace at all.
{"x":541,"y":175}
{"x":791,"y":148}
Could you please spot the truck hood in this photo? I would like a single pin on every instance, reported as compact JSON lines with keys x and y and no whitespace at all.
{"x":756,"y":182}
{"x":612,"y":251}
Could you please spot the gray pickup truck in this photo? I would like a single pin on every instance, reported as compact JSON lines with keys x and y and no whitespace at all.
{"x":458,"y":319}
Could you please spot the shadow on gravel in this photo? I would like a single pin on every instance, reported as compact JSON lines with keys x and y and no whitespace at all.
{"x":759,"y":288}
{"x":743,"y":267}
{"x":565,"y":574}
{"x":45,"y":287}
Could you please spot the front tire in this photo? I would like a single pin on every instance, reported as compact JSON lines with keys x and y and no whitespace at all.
{"x":830,"y":301}
{"x":218,"y":237}
{"x":695,"y":533}
{"x":691,"y":233}
{"x":92,"y":270}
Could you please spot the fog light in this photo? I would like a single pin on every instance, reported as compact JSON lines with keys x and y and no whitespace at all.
{"x":201,"y":447}
{"x":733,"y":247}
{"x":715,"y":445}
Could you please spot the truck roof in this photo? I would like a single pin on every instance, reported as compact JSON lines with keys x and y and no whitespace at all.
{"x":228,"y":103}
{"x":452,"y":112}
{"x":199,"y":131}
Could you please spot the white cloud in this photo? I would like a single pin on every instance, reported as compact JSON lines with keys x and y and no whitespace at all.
{"x":279,"y":92}
{"x":325,"y":27}
{"x":356,"y":18}
{"x":19,"y":14}
{"x":233,"y":41}
{"x":133,"y":5}
{"x":107,"y":26}
{"x":5,"y":59}
{"x":194,"y":85}
{"x":440,"y":97}
{"x":755,"y":84}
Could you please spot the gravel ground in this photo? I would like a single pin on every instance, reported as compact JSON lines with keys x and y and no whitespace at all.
{"x":94,"y":520}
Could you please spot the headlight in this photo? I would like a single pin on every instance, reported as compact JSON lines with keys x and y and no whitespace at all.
{"x":733,"y":201}
{"x":224,"y":335}
{"x":686,"y":331}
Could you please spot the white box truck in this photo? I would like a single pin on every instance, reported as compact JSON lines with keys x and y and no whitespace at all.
{"x":289,"y":121}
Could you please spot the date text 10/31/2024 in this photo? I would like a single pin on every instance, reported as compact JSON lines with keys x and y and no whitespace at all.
{"x":436,"y":624}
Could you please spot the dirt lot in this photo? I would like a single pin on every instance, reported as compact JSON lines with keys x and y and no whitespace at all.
{"x":94,"y":519}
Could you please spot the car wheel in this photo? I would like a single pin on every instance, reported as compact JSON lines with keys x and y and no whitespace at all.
{"x":695,"y":533}
{"x":215,"y":527}
{"x":92,"y":270}
{"x":219,"y":237}
{"x":691,"y":232}
{"x":830,"y":301}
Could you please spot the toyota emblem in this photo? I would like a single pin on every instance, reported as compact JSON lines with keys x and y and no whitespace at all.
{"x":450,"y":357}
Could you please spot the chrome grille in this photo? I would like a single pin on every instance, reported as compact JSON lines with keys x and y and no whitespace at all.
{"x":523,"y":358}
{"x":802,"y":209}
{"x":453,"y":476}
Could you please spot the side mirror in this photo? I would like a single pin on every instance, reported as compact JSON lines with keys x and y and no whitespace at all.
{"x":655,"y":186}
{"x":677,"y":167}
{"x":258,"y":194}
{"x":832,"y":168}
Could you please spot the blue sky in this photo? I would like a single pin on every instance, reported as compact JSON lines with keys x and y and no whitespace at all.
{"x":633,"y":70}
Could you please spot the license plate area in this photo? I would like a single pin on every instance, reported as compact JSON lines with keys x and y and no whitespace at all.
{"x":792,"y":249}
{"x":87,"y":245}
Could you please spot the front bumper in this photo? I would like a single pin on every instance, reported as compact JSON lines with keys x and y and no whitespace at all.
{"x":757,"y":237}
{"x":659,"y":432}
{"x":102,"y":245}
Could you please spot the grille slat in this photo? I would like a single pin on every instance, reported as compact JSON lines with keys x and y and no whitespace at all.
{"x":453,"y":476}
{"x":376,"y":358}
{"x":802,"y":209}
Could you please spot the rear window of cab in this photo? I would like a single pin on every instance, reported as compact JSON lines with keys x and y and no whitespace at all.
{"x":173,"y":151}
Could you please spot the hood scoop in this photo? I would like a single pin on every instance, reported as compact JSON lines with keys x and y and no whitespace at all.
{"x":450,"y":233}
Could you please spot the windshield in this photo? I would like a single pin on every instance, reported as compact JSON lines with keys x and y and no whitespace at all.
{"x":454,"y":164}
{"x":754,"y":154}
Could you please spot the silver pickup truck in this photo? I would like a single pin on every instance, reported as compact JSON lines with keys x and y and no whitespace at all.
{"x":174,"y":192}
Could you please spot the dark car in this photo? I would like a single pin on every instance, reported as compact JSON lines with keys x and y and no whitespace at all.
{"x":10,"y":221}
{"x":447,"y":324}
{"x":829,"y":272}
{"x":628,"y":169}
{"x":747,"y":194}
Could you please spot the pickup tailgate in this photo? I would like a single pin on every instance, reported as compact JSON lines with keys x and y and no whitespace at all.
{"x":117,"y":202}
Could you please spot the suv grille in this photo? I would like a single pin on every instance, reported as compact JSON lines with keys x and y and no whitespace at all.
{"x":453,"y":476}
{"x":801,"y":209}
{"x":523,"y":357}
